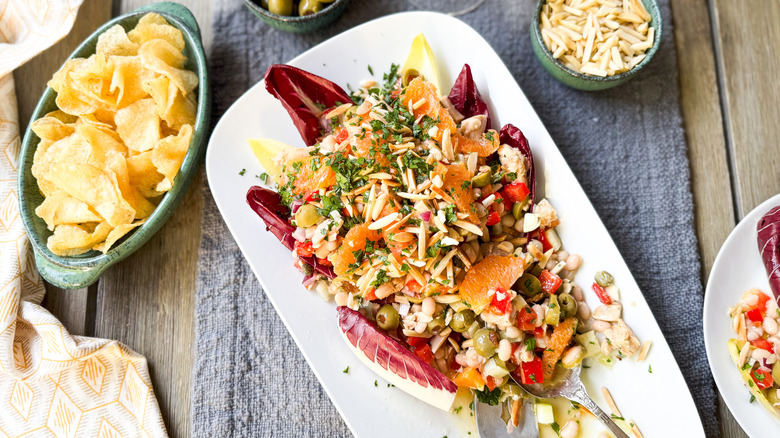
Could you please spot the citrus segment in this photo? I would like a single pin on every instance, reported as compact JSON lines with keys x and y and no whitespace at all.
{"x":306,"y":179}
{"x":354,"y":242}
{"x":425,"y":92}
{"x":457,"y":184}
{"x":558,"y":341}
{"x":492,"y":272}
{"x":485,"y":146}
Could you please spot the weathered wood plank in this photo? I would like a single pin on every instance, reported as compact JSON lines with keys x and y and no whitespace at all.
{"x":69,"y":306}
{"x":147,"y":301}
{"x":748,"y":41}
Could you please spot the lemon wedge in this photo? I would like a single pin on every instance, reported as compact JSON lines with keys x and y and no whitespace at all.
{"x":421,"y":62}
{"x":265,"y":149}
{"x":735,"y":345}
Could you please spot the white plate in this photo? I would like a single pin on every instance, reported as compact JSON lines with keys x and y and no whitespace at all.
{"x":657,"y":401}
{"x":737,"y":268}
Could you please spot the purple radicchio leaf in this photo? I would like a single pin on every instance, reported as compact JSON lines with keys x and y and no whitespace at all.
{"x":769,"y":246}
{"x":305,"y":96}
{"x":268,"y":205}
{"x":513,"y":136}
{"x":465,"y":96}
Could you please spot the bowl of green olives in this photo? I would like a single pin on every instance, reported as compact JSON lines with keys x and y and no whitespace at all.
{"x":298,"y":16}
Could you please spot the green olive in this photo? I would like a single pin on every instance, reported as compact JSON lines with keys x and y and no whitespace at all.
{"x":568,"y":305}
{"x":517,"y":210}
{"x":529,"y":285}
{"x":280,"y":7}
{"x":308,"y":7}
{"x":509,"y":366}
{"x":536,"y":270}
{"x":481,"y":180}
{"x":436,"y":325}
{"x":263,"y":3}
{"x":771,"y":395}
{"x":513,"y":391}
{"x":553,"y":316}
{"x":462,"y":320}
{"x":408,"y":75}
{"x":604,"y":278}
{"x":307,"y":216}
{"x":485,"y":342}
{"x":387,"y":317}
{"x":776,"y":372}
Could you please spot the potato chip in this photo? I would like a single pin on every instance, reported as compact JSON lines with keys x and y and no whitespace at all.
{"x":70,"y":240}
{"x":152,"y":26}
{"x":60,"y":208}
{"x":152,"y":56}
{"x":168,"y":155}
{"x":100,"y":190}
{"x":116,"y":234}
{"x":114,"y":41}
{"x":139,"y":125}
{"x":119,"y":137}
{"x":144,"y":176}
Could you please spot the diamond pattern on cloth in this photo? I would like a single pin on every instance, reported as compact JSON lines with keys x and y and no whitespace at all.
{"x":52,"y":383}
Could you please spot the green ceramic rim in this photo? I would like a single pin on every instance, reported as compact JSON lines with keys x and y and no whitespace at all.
{"x":656,"y":22}
{"x":293,"y":19}
{"x":30,"y":197}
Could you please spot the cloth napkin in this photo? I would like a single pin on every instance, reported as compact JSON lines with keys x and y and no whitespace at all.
{"x":625,"y":145}
{"x":52,"y":383}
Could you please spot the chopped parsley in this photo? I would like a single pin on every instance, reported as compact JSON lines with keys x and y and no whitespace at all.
{"x":381,"y":278}
{"x":370,"y":70}
{"x":650,"y":369}
{"x":263,"y":177}
{"x":376,"y":384}
{"x":556,"y":428}
{"x":615,"y":417}
{"x":242,"y":172}
{"x":457,"y":410}
{"x":752,"y":398}
{"x":390,"y":77}
{"x":346,"y":370}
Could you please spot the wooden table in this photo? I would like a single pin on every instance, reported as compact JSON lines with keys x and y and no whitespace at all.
{"x":727,"y":56}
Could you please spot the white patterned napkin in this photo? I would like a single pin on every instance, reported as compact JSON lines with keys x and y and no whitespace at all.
{"x":52,"y":383}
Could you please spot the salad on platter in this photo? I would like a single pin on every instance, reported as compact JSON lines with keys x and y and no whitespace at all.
{"x":421,"y":220}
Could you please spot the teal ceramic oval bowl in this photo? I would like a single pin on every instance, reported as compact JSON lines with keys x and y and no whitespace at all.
{"x":297,"y":24}
{"x":80,"y":271}
{"x":584,"y":81}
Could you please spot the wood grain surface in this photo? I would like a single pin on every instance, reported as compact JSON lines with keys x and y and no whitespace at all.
{"x":727,"y":56}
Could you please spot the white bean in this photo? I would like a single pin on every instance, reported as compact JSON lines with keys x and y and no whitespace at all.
{"x":550,"y":264}
{"x":760,"y":354}
{"x":583,"y":310}
{"x":573,"y":262}
{"x":770,"y":326}
{"x":384,"y":290}
{"x":460,"y":358}
{"x":428,"y":306}
{"x":601,"y":326}
{"x":512,"y":332}
{"x":570,"y":429}
{"x":506,"y":247}
{"x":504,"y":350}
{"x":752,"y":336}
{"x":562,"y":255}
{"x":572,"y":356}
{"x":751,"y":300}
{"x":576,"y":292}
{"x":341,"y":299}
{"x":539,"y":315}
{"x":420,"y":327}
{"x":508,"y":221}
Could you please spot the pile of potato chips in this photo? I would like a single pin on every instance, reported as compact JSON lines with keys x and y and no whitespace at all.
{"x":118,"y":139}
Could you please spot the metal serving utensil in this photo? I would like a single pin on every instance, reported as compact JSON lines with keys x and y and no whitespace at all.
{"x":490,"y":424}
{"x":570,"y":386}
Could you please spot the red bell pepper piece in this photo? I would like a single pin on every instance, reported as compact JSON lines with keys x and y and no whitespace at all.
{"x":516,"y":192}
{"x":763,"y":344}
{"x":550,"y":282}
{"x":525,"y":319}
{"x":754,"y":315}
{"x":425,"y":353}
{"x":371,"y":295}
{"x":493,"y":218}
{"x":490,"y":382}
{"x":304,"y":249}
{"x":762,"y":299}
{"x":503,"y":304}
{"x":415,"y":342}
{"x":602,"y":294}
{"x":542,"y":237}
{"x":762,"y":377}
{"x":531,"y":372}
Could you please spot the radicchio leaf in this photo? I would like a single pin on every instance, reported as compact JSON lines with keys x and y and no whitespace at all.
{"x":465,"y":96}
{"x":769,"y":246}
{"x":513,"y":136}
{"x":268,"y":205}
{"x":304,"y":95}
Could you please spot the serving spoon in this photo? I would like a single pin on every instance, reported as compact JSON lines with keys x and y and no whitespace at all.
{"x":490,"y":424}
{"x":570,"y":386}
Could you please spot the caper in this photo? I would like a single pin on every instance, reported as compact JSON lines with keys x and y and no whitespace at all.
{"x":568,"y":305}
{"x":481,"y":180}
{"x":308,"y":7}
{"x":436,"y":325}
{"x":462,"y":320}
{"x":280,"y":7}
{"x":517,"y":210}
{"x":307,"y":216}
{"x":485,"y":342}
{"x":553,"y":315}
{"x":512,"y":391}
{"x":604,"y":278}
{"x":528,"y":285}
{"x":387,"y":317}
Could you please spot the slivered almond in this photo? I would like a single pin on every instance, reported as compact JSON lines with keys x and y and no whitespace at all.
{"x":468,"y":226}
{"x":383,"y":222}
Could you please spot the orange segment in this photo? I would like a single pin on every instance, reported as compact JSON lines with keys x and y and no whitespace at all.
{"x":417,"y":90}
{"x":308,"y":180}
{"x":470,"y":377}
{"x":354,"y":241}
{"x":492,"y":272}
{"x":484,"y":147}
{"x":457,"y":184}
{"x":559,"y":340}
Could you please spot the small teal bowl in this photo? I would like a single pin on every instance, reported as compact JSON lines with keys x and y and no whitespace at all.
{"x":80,"y":271}
{"x":582,"y":81}
{"x":298,"y":24}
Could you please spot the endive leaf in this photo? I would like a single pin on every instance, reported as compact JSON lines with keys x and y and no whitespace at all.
{"x":421,"y":62}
